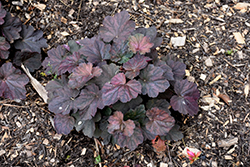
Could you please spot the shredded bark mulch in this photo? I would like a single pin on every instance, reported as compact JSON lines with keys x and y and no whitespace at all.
{"x":216,"y":48}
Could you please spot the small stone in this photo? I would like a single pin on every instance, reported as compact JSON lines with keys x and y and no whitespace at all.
{"x":57,"y":136}
{"x":214,"y":164}
{"x":184,"y":165}
{"x":18,"y":124}
{"x":178,"y":41}
{"x":2,"y":152}
{"x":83,"y":151}
{"x":162,"y":164}
{"x":203,"y":77}
{"x":17,"y":3}
{"x":208,"y":62}
{"x":207,"y":147}
{"x":46,"y":141}
{"x":52,"y":160}
{"x":213,"y":144}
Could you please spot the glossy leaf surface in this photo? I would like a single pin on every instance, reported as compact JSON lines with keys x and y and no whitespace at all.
{"x":82,"y":74}
{"x":118,"y":89}
{"x":186,"y":99}
{"x":63,"y":123}
{"x":12,"y":82}
{"x":117,"y":28}
{"x":160,"y":122}
{"x":152,"y":81}
{"x":32,"y":41}
{"x":134,"y":65}
{"x":140,"y":43}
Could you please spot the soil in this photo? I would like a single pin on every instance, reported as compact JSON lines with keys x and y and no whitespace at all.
{"x":216,"y":60}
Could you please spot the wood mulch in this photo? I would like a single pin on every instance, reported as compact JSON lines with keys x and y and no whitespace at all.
{"x":216,"y":49}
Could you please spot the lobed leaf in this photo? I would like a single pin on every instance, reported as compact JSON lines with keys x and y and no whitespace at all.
{"x":96,"y":53}
{"x":82,"y":74}
{"x":160,"y":122}
{"x":168,"y":74}
{"x":116,"y":28}
{"x":162,"y":104}
{"x":178,"y":69}
{"x":89,"y":100}
{"x":140,"y":43}
{"x":54,"y":59}
{"x":31,"y":60}
{"x":70,"y":63}
{"x":4,"y":46}
{"x":138,"y":114}
{"x":159,"y":144}
{"x":152,"y":81}
{"x":12,"y":82}
{"x":117,"y":124}
{"x":125,"y":107}
{"x":118,"y":89}
{"x":32,"y":41}
{"x":174,"y":134}
{"x":2,"y":14}
{"x":186,"y":100}
{"x":134,"y":65}
{"x":89,"y":128}
{"x":63,"y":123}
{"x":120,"y":53}
{"x":130,"y":142}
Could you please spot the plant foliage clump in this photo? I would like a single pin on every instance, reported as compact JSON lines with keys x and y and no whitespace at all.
{"x":115,"y":85}
{"x":19,"y":44}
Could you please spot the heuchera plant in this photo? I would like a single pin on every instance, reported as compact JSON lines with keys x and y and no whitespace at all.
{"x":115,"y":85}
{"x":19,"y":44}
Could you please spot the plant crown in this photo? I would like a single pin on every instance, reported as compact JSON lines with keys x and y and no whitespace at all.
{"x":115,"y":85}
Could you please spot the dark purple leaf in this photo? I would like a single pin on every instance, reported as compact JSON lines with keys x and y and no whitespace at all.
{"x":117,"y":28}
{"x":82,"y":74}
{"x":150,"y":32}
{"x":12,"y":82}
{"x":96,"y":53}
{"x":88,"y":128}
{"x":140,"y":43}
{"x":168,"y":74}
{"x":54,"y":59}
{"x":87,"y":41}
{"x":108,"y":72}
{"x":120,"y":52}
{"x":103,"y":127}
{"x":147,"y":134}
{"x":178,"y":69}
{"x":31,"y":41}
{"x":160,"y":122}
{"x":174,"y":134}
{"x":186,"y":100}
{"x":130,"y":142}
{"x":73,"y":46}
{"x":162,"y":104}
{"x":63,"y":99}
{"x":11,"y":27}
{"x":63,"y":123}
{"x":134,"y":65}
{"x":137,"y":114}
{"x":31,"y":60}
{"x":56,"y":85}
{"x":70,"y":63}
{"x":117,"y":124}
{"x":125,"y":107}
{"x":4,"y":47}
{"x":89,"y":100}
{"x":118,"y":89}
{"x":2,"y":14}
{"x":152,"y":81}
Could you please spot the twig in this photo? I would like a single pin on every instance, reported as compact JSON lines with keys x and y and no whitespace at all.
{"x":65,"y":3}
{"x":97,"y":150}
{"x":231,"y":64}
{"x":79,"y":10}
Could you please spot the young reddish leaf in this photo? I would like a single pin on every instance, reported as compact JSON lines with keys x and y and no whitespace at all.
{"x":108,"y":72}
{"x":63,"y":99}
{"x":4,"y":47}
{"x":160,"y":122}
{"x":89,"y":100}
{"x":178,"y":68}
{"x":2,"y":14}
{"x":96,"y":53}
{"x":159,"y":144}
{"x":152,"y":81}
{"x":12,"y":82}
{"x":11,"y":27}
{"x":129,"y":141}
{"x":63,"y":123}
{"x":117,"y":124}
{"x":70,"y":63}
{"x":117,"y":28}
{"x":54,"y":59}
{"x":118,"y":89}
{"x":134,"y":65}
{"x":140,"y":43}
{"x":151,"y":33}
{"x":82,"y":74}
{"x":31,"y":41}
{"x":186,"y":99}
{"x":31,"y":60}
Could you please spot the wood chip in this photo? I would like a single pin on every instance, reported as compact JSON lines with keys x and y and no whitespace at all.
{"x":239,"y":38}
{"x":227,"y":142}
{"x":64,"y":33}
{"x":215,"y":80}
{"x":246,"y":90}
{"x":175,"y":21}
{"x":39,"y":6}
